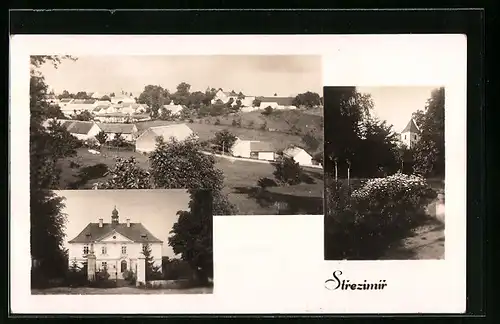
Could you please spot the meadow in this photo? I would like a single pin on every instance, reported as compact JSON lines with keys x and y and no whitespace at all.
{"x":240,"y":179}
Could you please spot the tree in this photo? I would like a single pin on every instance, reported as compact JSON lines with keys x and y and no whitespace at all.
{"x":82,"y":95}
{"x":224,"y":140}
{"x":267,"y":111}
{"x":275,"y":94}
{"x":105,"y":98}
{"x":181,"y":165}
{"x":65,"y":94}
{"x":155,"y":97}
{"x":192,"y":235}
{"x":152,"y":271}
{"x":118,"y":140}
{"x":112,"y":94}
{"x":241,"y":96}
{"x":256,"y":102}
{"x":429,"y":156}
{"x":47,"y":146}
{"x":311,"y":142}
{"x":84,"y":116}
{"x":126,"y":174}
{"x":308,"y":99}
{"x":287,"y":171}
{"x":54,"y":112}
{"x":101,"y":137}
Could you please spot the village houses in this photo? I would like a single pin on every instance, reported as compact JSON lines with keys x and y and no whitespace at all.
{"x":127,"y":131}
{"x":116,"y":245}
{"x":253,"y":149}
{"x":146,"y":142}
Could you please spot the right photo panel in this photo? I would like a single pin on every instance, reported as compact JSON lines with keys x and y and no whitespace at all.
{"x":384,"y":165}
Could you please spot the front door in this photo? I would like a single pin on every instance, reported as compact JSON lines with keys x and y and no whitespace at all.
{"x":123,"y":267}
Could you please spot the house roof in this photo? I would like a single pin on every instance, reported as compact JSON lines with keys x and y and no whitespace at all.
{"x":294,"y":151}
{"x":411,"y":127}
{"x":117,"y":128}
{"x":178,"y":131}
{"x":77,"y":126}
{"x":64,"y":100}
{"x":135,"y":232}
{"x":282,"y":101}
{"x":261,"y":147}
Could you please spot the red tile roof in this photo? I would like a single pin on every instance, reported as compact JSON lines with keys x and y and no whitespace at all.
{"x":136,"y":232}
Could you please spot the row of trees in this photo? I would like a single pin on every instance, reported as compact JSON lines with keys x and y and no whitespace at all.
{"x":368,"y":147}
{"x":84,"y":95}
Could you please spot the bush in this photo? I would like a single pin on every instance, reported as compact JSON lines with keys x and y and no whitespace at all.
{"x":175,"y":269}
{"x":102,"y":280}
{"x":266,"y":182}
{"x":287,"y":171}
{"x":130,"y":276}
{"x":217,"y":121}
{"x":365,"y":224}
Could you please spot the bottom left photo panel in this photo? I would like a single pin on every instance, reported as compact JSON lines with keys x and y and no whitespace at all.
{"x":123,"y":242}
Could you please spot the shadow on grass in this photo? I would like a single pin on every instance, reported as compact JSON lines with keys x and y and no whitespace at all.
{"x":284,"y":204}
{"x":88,"y":173}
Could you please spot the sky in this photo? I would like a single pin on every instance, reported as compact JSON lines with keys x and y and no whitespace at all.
{"x":256,"y":75}
{"x":155,"y":209}
{"x":396,"y":104}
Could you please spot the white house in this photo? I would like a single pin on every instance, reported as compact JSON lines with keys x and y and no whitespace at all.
{"x":82,"y":130}
{"x":253,"y":149}
{"x":122,"y":99}
{"x":410,"y":134}
{"x":299,"y":155}
{"x":175,"y":110}
{"x":128,"y":131}
{"x":116,"y":246}
{"x":112,"y":117}
{"x":146,"y":142}
{"x":276,"y":102}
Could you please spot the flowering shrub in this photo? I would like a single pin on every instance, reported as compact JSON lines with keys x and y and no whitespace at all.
{"x":394,"y":201}
{"x":365,"y":223}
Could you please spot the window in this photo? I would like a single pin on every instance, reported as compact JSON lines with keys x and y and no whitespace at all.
{"x":86,"y":249}
{"x":104,"y":250}
{"x":405,"y":136}
{"x":104,"y":264}
{"x":124,"y":249}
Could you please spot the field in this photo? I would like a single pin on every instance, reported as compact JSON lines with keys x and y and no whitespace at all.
{"x":240,"y":179}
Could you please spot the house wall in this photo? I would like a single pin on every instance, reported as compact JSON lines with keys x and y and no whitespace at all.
{"x":268,"y":156}
{"x":409,"y":139}
{"x":127,"y":137}
{"x":241,"y":149}
{"x":303,"y":158}
{"x":146,"y":142}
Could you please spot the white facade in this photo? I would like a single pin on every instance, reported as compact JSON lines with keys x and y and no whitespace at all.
{"x":94,"y":130}
{"x":409,"y":139}
{"x":241,"y":148}
{"x":268,"y":156}
{"x":146,"y":142}
{"x":299,"y":155}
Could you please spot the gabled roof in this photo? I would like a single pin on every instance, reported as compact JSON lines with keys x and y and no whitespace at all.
{"x":294,"y":151}
{"x":135,"y":232}
{"x":282,"y":101}
{"x":117,"y":128}
{"x":78,"y":127}
{"x":178,"y":131}
{"x":411,"y":127}
{"x":261,"y":147}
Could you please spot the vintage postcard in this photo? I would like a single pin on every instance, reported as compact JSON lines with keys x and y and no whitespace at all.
{"x":238,"y":174}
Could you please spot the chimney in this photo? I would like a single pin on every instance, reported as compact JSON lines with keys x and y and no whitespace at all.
{"x":128,"y":222}
{"x":100,"y":222}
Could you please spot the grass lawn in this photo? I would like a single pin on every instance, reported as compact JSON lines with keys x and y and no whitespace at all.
{"x":117,"y":291}
{"x":240,"y":179}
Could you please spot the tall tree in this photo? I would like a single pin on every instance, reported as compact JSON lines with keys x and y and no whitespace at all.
{"x":151,"y":270}
{"x":224,"y":140}
{"x":126,"y":174}
{"x":192,"y":236}
{"x":46,"y":148}
{"x":429,"y":156}
{"x":155,"y":97}
{"x":308,"y":99}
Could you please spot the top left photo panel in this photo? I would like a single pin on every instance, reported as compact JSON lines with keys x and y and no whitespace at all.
{"x":247,"y":127}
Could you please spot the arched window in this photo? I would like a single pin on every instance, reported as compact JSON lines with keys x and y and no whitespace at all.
{"x":123,"y":265}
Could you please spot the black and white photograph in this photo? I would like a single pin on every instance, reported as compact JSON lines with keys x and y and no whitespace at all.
{"x":384,"y":173}
{"x":248,"y":127}
{"x":122,"y":242}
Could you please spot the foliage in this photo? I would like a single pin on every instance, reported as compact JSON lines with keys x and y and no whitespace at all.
{"x":364,"y":224}
{"x":287,"y":171}
{"x":54,"y":112}
{"x":311,"y":141}
{"x":256,"y":102}
{"x":267,"y":111}
{"x":224,"y":140}
{"x":76,"y":276}
{"x":105,"y":98}
{"x":126,"y":174}
{"x":155,"y":97}
{"x":102,"y":280}
{"x":152,"y":272}
{"x":308,"y":99}
{"x":192,"y":235}
{"x":175,"y":269}
{"x":130,"y":276}
{"x":266,"y":182}
{"x":101,"y":137}
{"x":429,"y":154}
{"x":118,"y":141}
{"x":92,"y":143}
